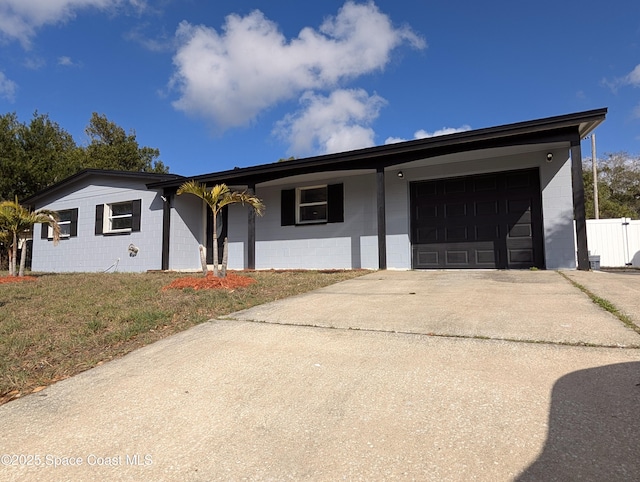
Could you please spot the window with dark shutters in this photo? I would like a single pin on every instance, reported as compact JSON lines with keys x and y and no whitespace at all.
{"x":118,"y":218}
{"x":68,"y":223}
{"x":312,"y":205}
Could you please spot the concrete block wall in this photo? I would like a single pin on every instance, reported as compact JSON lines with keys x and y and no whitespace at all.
{"x":321,"y":246}
{"x":187,"y":232}
{"x":89,"y":252}
{"x":557,"y":198}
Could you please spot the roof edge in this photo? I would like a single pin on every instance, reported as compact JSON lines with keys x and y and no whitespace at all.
{"x":150,"y":176}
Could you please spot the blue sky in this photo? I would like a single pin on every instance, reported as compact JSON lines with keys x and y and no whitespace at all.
{"x":215,"y":85}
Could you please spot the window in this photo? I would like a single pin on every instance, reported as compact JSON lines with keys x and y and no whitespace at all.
{"x":312,"y":205}
{"x":68,"y":225}
{"x":118,"y":218}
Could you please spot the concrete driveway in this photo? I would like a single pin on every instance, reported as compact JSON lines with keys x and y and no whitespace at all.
{"x":347,"y":383}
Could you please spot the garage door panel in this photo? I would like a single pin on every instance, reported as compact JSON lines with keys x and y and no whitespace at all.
{"x":486,"y":208}
{"x":485,"y":221}
{"x":452,"y":210}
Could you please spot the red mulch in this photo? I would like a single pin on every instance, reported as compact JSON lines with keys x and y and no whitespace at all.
{"x":16,"y":279}
{"x":231,"y":281}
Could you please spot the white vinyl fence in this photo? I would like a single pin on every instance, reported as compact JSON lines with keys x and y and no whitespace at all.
{"x":616,"y":241}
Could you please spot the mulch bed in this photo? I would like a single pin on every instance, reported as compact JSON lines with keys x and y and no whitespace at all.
{"x":230,"y":282}
{"x":16,"y":279}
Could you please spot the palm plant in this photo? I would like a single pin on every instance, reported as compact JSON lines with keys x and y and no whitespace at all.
{"x":17,"y":221}
{"x":217,"y":198}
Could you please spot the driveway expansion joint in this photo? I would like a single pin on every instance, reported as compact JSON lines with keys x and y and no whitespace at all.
{"x":436,"y":335}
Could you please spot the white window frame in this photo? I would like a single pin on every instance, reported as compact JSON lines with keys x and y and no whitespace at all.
{"x":300,"y":205}
{"x":60,"y":224}
{"x":109,"y":217}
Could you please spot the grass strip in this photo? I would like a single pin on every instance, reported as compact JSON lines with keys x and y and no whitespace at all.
{"x":604,"y":304}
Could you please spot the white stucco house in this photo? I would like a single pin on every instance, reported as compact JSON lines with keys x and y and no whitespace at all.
{"x":506,"y":197}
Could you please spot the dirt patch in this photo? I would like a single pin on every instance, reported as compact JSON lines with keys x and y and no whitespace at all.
{"x":16,"y":279}
{"x":231,"y":281}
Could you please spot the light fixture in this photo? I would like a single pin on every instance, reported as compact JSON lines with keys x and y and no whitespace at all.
{"x":400,"y":174}
{"x":549,"y":157}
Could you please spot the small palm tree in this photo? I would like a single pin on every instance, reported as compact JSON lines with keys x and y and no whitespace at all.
{"x":216,"y":198}
{"x":17,"y":221}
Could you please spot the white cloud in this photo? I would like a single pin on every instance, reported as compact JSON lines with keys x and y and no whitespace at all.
{"x":422,"y":134}
{"x":34,"y":63}
{"x":632,"y":79}
{"x":19,"y":19}
{"x":337,"y":123}
{"x":230,"y":77}
{"x":8,"y":88}
{"x":65,"y":61}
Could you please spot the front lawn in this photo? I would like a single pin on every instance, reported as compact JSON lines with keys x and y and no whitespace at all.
{"x":57,"y":325}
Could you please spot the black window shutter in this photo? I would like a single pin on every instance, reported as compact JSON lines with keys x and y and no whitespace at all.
{"x":44,"y":231}
{"x":137,"y":209}
{"x":99,"y":218}
{"x":74,"y":222}
{"x":335,"y":203}
{"x":288,"y":207}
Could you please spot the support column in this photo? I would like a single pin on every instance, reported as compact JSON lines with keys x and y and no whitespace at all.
{"x":251,"y":235}
{"x":382,"y":220}
{"x":579,"y":211}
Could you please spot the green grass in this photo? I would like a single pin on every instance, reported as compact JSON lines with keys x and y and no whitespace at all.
{"x":604,"y":304}
{"x":62,"y":324}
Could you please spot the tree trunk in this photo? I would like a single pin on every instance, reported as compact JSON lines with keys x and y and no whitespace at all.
{"x":215,"y":243}
{"x":225,"y":258}
{"x":203,"y":261}
{"x":23,"y":258}
{"x":14,"y":256}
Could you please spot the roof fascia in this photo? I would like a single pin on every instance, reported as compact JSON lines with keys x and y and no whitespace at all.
{"x":551,"y":129}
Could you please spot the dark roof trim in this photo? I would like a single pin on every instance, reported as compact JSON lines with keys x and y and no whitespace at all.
{"x":550,"y":129}
{"x":142,"y":176}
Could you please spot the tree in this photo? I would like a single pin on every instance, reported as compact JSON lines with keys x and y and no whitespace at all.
{"x":217,"y":198}
{"x":34,"y":156}
{"x":16,"y":221}
{"x":111,"y":147}
{"x":618,"y":186}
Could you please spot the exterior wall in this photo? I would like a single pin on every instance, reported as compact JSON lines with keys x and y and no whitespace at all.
{"x":238,"y":235}
{"x":557,"y":209}
{"x":353,"y":244}
{"x":186,"y":233}
{"x":345,"y":245}
{"x":88,"y":252}
{"x":557,"y":199}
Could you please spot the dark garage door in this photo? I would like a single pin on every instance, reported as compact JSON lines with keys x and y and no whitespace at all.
{"x":484,"y":221}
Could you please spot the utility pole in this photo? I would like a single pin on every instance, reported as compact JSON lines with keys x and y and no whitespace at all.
{"x":595,"y":175}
